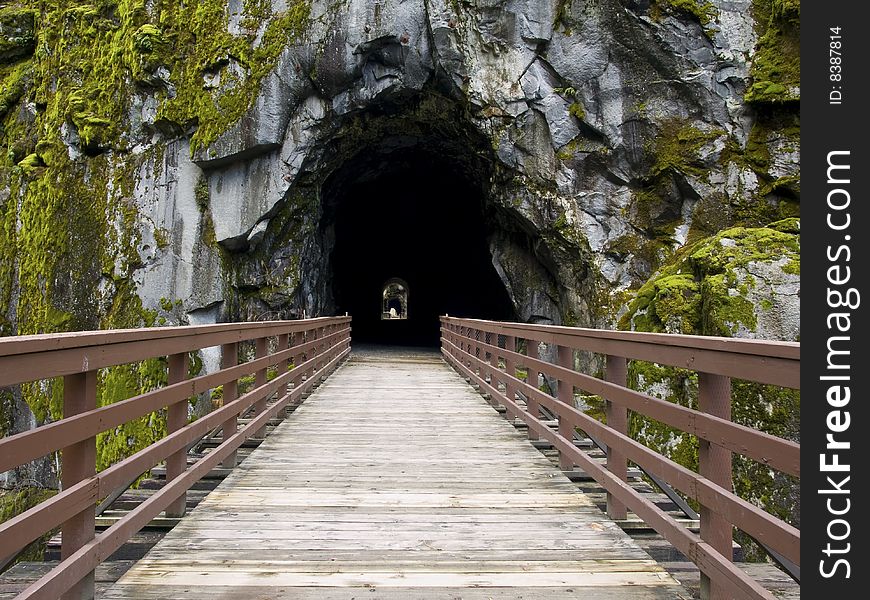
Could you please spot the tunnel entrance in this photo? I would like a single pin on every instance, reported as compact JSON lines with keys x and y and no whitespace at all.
{"x":411,"y":214}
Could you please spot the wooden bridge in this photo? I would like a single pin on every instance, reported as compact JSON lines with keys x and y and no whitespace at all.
{"x":396,"y":478}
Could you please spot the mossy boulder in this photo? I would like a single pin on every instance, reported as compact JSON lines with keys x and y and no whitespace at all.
{"x":776,"y":70}
{"x":741,"y":282}
{"x":17,"y":37}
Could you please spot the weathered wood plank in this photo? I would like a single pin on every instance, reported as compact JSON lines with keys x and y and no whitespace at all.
{"x":396,"y":479}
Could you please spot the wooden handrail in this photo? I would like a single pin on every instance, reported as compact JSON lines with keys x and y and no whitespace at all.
{"x":771,"y":362}
{"x":326,"y":342}
{"x":780,"y":454}
{"x":465,"y":347}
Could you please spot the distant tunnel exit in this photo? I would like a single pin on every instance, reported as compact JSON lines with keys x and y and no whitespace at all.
{"x":410,"y":244}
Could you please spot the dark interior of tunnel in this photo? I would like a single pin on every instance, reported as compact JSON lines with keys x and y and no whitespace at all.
{"x":411,"y":213}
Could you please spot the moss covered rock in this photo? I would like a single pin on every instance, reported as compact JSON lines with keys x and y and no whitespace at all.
{"x":17,"y":37}
{"x":741,"y":282}
{"x":776,"y":70}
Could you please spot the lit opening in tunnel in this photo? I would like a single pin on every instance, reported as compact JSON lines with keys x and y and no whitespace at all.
{"x":410,"y":215}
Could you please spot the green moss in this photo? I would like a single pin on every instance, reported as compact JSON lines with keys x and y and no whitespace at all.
{"x":13,"y":82}
{"x":562,"y":16}
{"x":775,"y":67}
{"x":16,"y":501}
{"x":197,"y":32}
{"x":16,"y":32}
{"x":700,"y":293}
{"x":677,"y":149}
{"x":576,"y":109}
{"x":122,"y":382}
{"x":774,"y":198}
{"x":7,"y":407}
{"x":30,"y":163}
{"x":704,"y":13}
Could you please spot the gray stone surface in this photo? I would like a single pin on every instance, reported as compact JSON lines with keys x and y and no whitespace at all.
{"x":516,"y":68}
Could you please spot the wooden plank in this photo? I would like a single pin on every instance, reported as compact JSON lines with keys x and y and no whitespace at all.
{"x":395,"y":477}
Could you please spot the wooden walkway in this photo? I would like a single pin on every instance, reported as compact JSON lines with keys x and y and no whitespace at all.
{"x":395,"y":480}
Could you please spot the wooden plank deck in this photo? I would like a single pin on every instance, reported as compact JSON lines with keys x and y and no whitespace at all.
{"x":396,"y":480}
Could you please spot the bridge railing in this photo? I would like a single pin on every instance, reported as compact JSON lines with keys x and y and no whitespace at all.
{"x":473,"y":349}
{"x":302,"y":353}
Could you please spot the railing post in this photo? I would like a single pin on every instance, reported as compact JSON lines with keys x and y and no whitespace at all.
{"x":324,"y":347}
{"x":510,"y":367}
{"x":294,"y":339}
{"x":493,"y":369}
{"x":284,"y":365}
{"x":616,"y":371}
{"x":565,"y":394}
{"x":327,"y":350}
{"x":532,"y":379}
{"x":79,"y":462}
{"x":714,"y":463}
{"x":230,"y":358}
{"x":311,"y":353}
{"x":469,"y":347}
{"x":260,"y":350}
{"x":176,"y":418}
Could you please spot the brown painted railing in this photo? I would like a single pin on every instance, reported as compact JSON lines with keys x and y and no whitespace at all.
{"x":474,"y":349}
{"x":313,"y":346}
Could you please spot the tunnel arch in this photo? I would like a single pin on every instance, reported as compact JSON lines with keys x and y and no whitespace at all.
{"x":413,"y":201}
{"x":395,"y":299}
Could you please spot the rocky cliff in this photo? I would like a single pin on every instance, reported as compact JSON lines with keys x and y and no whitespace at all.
{"x":168,"y":162}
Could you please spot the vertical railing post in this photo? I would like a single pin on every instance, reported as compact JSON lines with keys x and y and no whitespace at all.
{"x":532,"y":379}
{"x":322,"y":349}
{"x":260,"y":351}
{"x":617,"y":419}
{"x":469,"y":349}
{"x":333,"y":350}
{"x":458,"y":341}
{"x":510,"y":367}
{"x":79,"y":462}
{"x":176,"y":418}
{"x":230,"y":358}
{"x":714,"y":463}
{"x":294,"y":339}
{"x":310,"y":335}
{"x":493,"y":367}
{"x":284,"y":365}
{"x":476,"y":353}
{"x":565,"y":394}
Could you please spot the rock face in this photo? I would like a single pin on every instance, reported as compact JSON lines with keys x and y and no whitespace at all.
{"x":193,"y":162}
{"x":603,"y":136}
{"x":741,"y":282}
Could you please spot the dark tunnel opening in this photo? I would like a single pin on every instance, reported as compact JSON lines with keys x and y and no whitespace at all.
{"x":415,"y":215}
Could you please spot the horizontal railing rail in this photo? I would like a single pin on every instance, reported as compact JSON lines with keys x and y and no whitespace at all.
{"x":474,"y":349}
{"x":303,"y":352}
